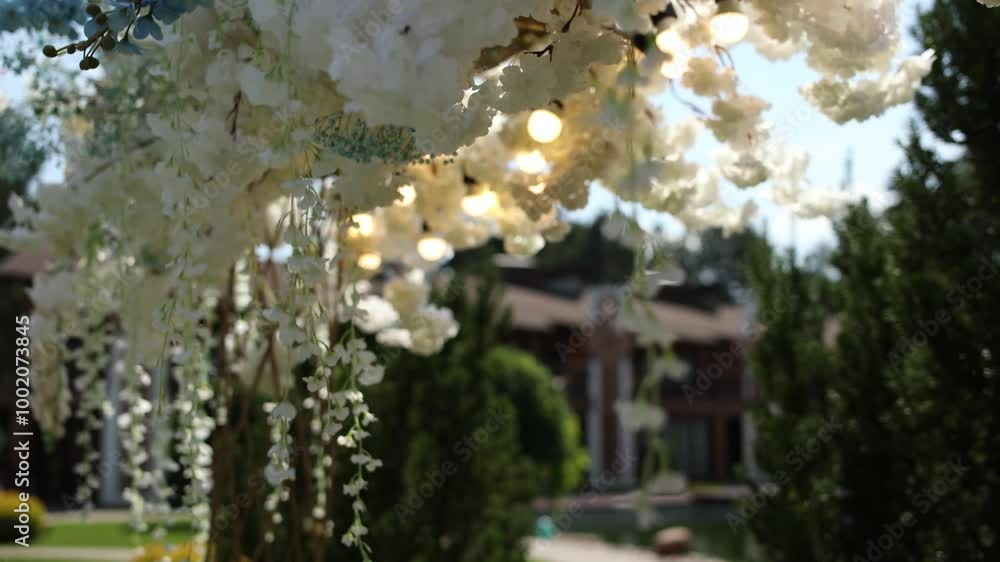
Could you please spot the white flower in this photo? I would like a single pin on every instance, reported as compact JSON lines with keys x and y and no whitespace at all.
{"x":528,"y":84}
{"x":275,"y":476}
{"x":707,"y":78}
{"x":360,"y":458}
{"x":630,"y":15}
{"x":374,"y":314}
{"x":261,"y":89}
{"x":859,"y":100}
{"x":406,"y":294}
{"x":742,"y":168}
{"x":395,"y":337}
{"x":737,"y":121}
{"x":523,"y":244}
{"x":361,"y":186}
{"x":314,"y":384}
{"x":430,"y":328}
{"x":355,"y":486}
{"x":636,"y":416}
{"x":283,"y":411}
{"x":371,"y":375}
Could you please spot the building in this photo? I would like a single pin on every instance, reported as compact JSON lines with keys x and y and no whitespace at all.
{"x":565,"y":325}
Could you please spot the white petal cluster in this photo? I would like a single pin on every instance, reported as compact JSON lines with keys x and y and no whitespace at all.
{"x":405,"y":318}
{"x":859,"y":100}
{"x":430,"y":327}
{"x":629,"y":15}
{"x":744,"y":169}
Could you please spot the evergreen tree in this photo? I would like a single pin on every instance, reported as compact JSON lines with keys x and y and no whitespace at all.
{"x":585,"y":246}
{"x":718,"y":260}
{"x":914,"y":472}
{"x":790,"y":361}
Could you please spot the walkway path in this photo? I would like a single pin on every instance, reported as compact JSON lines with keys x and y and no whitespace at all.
{"x":69,"y":553}
{"x":583,"y":548}
{"x":564,"y":548}
{"x":709,"y":493}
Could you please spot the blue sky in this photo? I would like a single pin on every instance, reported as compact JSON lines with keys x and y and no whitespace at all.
{"x":873,"y":143}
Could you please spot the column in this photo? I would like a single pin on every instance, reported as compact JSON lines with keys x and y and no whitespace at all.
{"x":109,"y":468}
{"x":595,"y":414}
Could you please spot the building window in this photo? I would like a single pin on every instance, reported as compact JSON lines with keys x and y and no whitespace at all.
{"x":689,"y":440}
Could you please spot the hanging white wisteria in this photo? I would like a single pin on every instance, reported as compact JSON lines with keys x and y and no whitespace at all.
{"x":299,"y":168}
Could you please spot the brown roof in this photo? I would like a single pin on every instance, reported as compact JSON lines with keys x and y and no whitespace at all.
{"x":538,"y":310}
{"x":23,"y":266}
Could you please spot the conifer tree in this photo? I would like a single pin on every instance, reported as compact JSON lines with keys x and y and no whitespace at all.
{"x":911,"y":376}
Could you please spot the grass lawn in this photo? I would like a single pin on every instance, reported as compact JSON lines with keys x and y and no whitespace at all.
{"x":35,"y":560}
{"x":101,"y":534}
{"x":39,"y":560}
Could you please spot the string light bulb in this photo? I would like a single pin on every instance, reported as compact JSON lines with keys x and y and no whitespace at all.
{"x":407,"y":195}
{"x":370,"y":261}
{"x":478,"y":204}
{"x":544,"y":126}
{"x":531,"y":162}
{"x":729,"y":25}
{"x":676,"y":48}
{"x":364,"y":224}
{"x":433,"y":248}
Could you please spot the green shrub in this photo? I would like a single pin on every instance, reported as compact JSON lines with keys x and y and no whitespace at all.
{"x":549,"y":433}
{"x":489,"y":414}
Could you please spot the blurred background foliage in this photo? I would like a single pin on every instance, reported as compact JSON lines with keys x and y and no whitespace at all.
{"x":898,"y":341}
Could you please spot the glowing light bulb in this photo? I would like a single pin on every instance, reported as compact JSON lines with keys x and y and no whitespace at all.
{"x":479,"y":204}
{"x":670,"y":42}
{"x":544,"y":126}
{"x":370,"y":261}
{"x":677,"y":51}
{"x":433,"y":248}
{"x":730,"y":25}
{"x":364,"y":225}
{"x":537,"y":189}
{"x":407,"y":195}
{"x":531,"y":162}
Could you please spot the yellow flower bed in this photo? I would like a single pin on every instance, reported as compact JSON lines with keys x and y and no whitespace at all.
{"x":187,"y":552}
{"x":9,"y":501}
